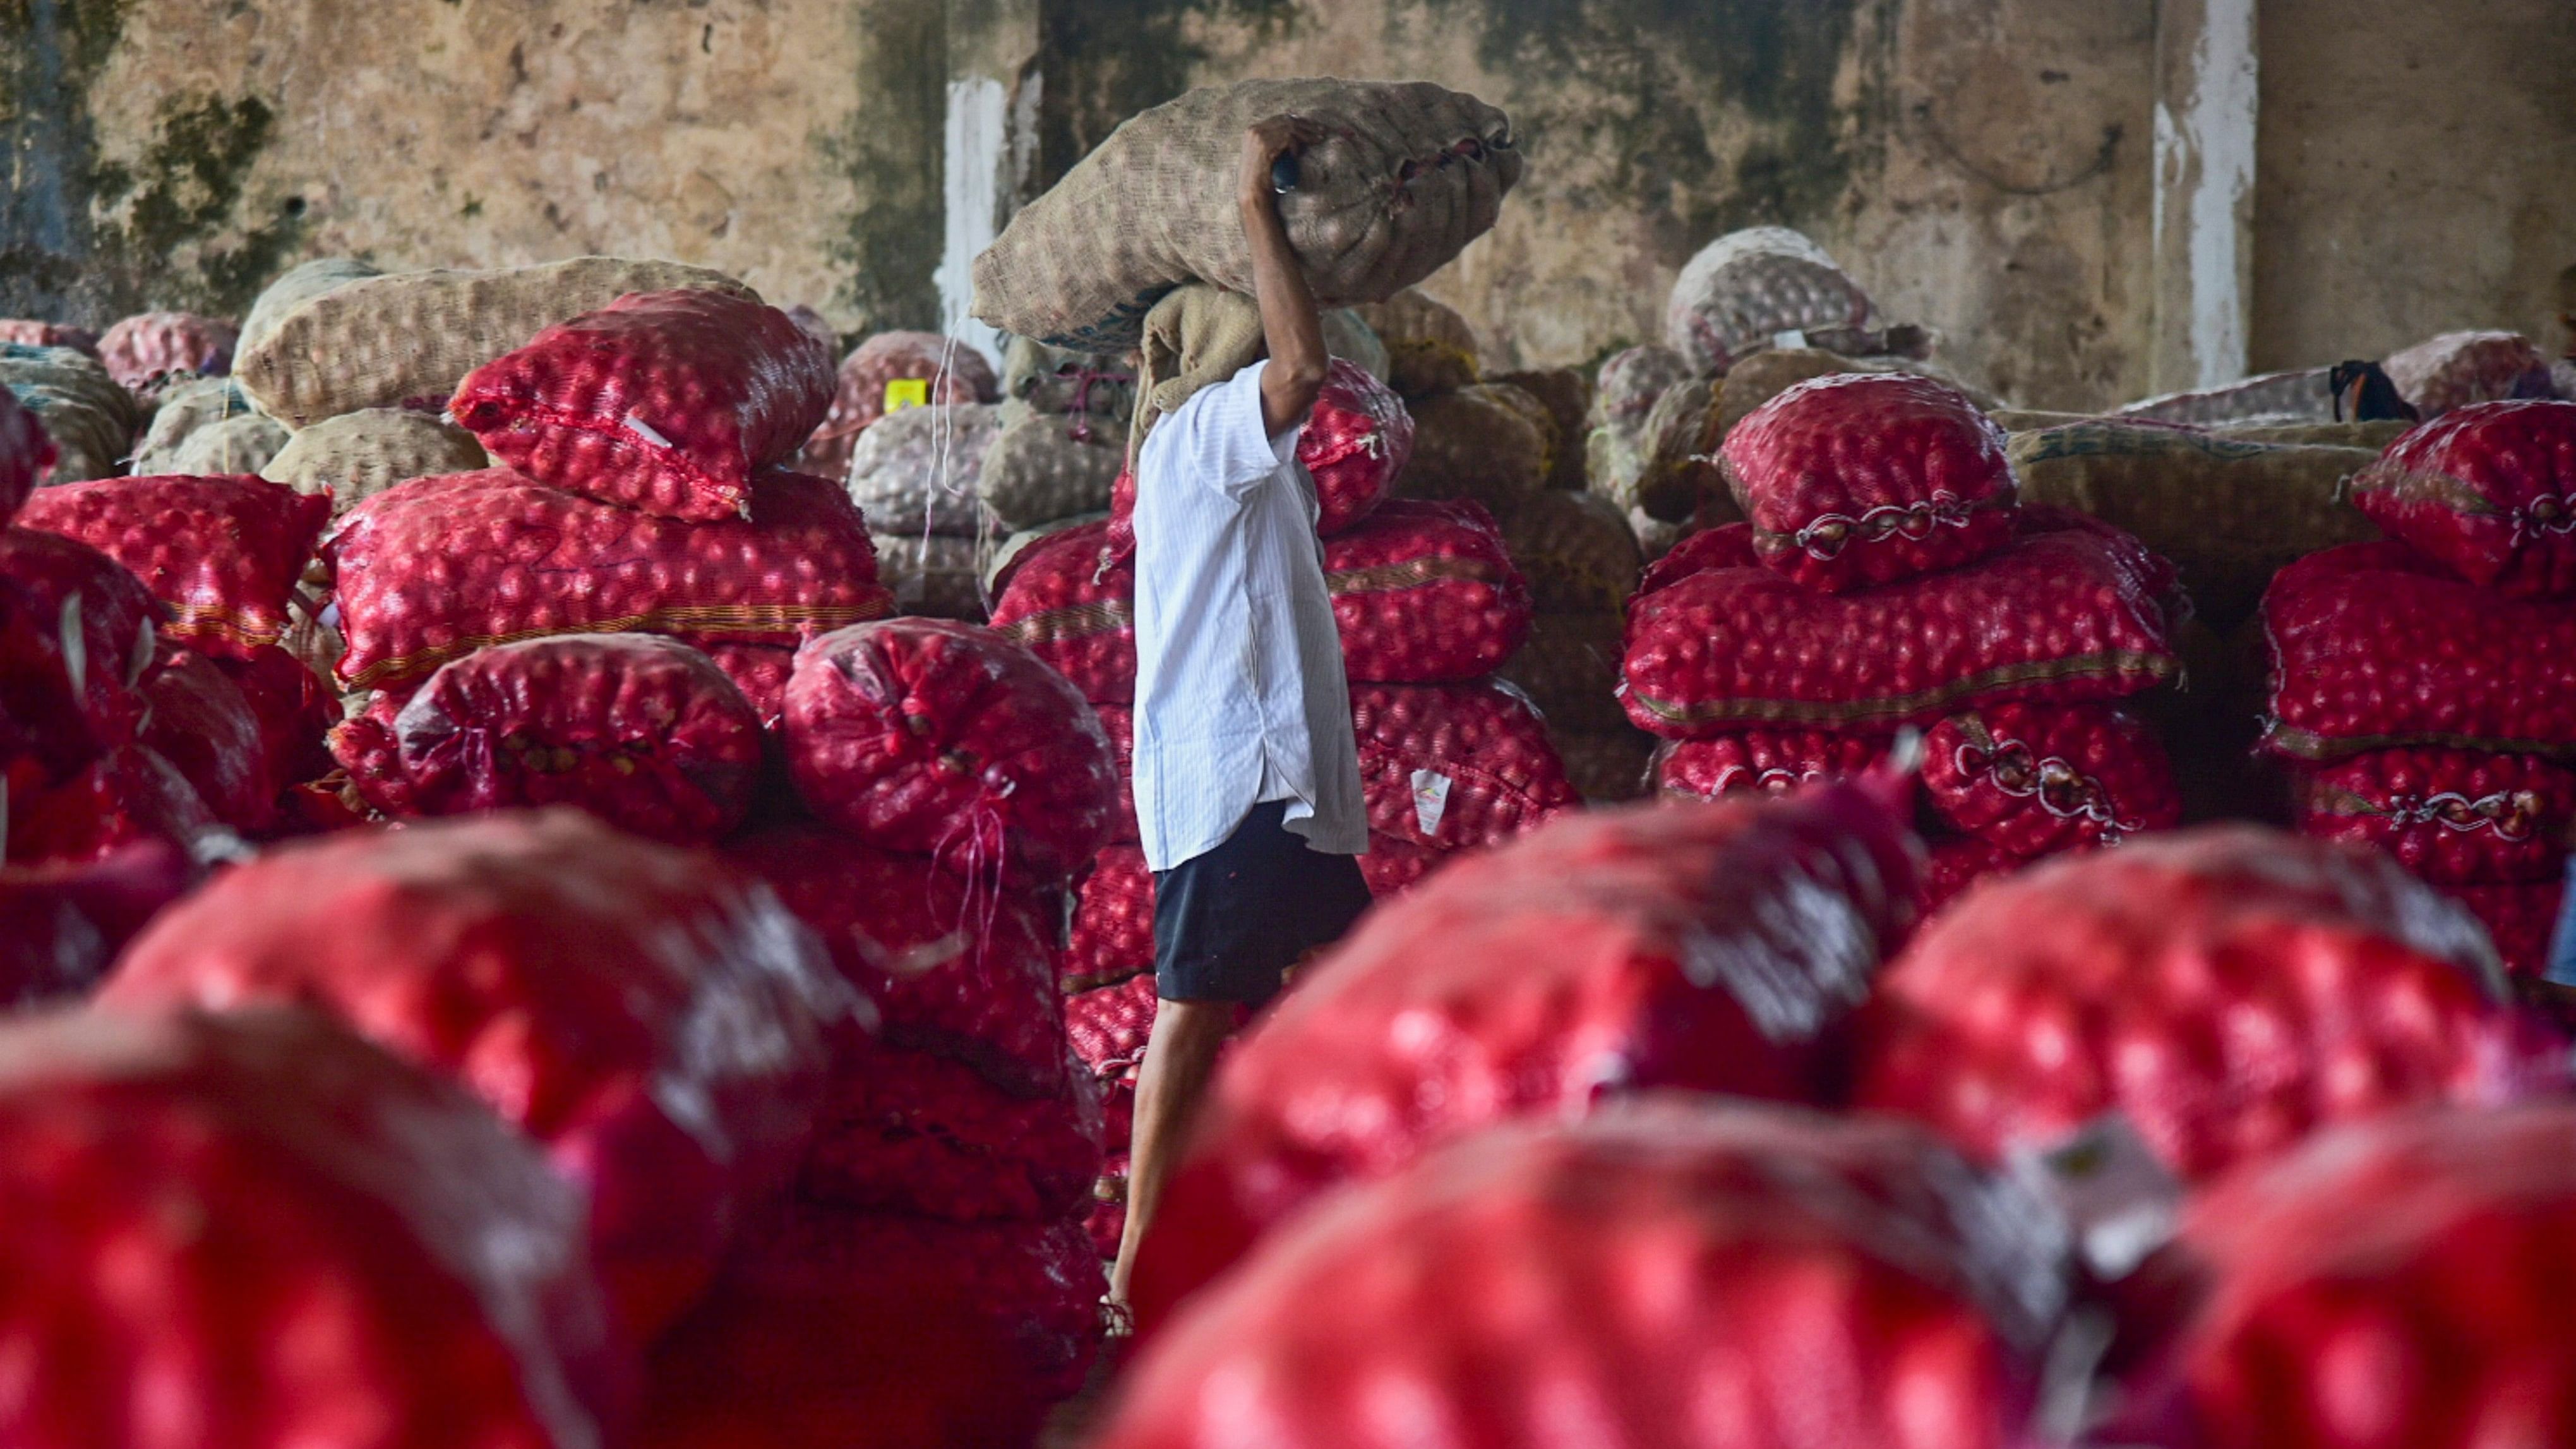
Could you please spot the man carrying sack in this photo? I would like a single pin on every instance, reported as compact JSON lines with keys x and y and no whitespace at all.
{"x":1247,"y":777}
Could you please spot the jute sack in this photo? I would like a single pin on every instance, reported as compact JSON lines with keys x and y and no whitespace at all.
{"x":1576,"y":550}
{"x":1048,"y":465}
{"x":1430,"y":348}
{"x":244,"y":443}
{"x":1567,"y":395}
{"x":91,"y":419}
{"x":2228,"y":513}
{"x":1765,"y":375}
{"x":2374,"y":436}
{"x":1526,"y":403}
{"x":184,"y":410}
{"x":1473,"y":443}
{"x":355,"y":456}
{"x":1060,"y":380}
{"x":934,"y":576}
{"x":1408,"y":173}
{"x":382,"y":341}
{"x":1679,"y":468}
{"x":300,"y":285}
{"x":1569,"y":667}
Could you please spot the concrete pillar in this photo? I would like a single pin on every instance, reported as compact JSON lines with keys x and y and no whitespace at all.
{"x":2204,"y":201}
{"x":990,"y":145}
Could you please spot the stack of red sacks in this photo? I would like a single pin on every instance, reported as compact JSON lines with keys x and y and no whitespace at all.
{"x":1889,"y":578}
{"x":1429,"y":605}
{"x":2424,"y":687}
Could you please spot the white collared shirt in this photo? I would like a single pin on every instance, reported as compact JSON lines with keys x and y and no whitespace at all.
{"x":1240,"y":695}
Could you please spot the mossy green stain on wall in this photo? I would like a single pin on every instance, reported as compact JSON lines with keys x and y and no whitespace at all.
{"x":1105,"y":60}
{"x":893,"y":149}
{"x":187,"y":188}
{"x":49,"y":52}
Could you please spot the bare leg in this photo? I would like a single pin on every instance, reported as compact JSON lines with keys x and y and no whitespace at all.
{"x":1179,"y":1058}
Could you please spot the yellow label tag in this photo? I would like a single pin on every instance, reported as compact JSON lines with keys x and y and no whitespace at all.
{"x":906,"y":392}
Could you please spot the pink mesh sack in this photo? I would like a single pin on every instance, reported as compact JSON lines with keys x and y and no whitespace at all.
{"x":1425,"y":593}
{"x":915,"y":1133}
{"x":761,"y":672}
{"x":2457,"y":369}
{"x":222,"y":554}
{"x":125,"y":797}
{"x":1761,"y":762}
{"x":1110,"y":1025}
{"x":151,"y":345}
{"x":671,"y":402}
{"x":1065,"y":603}
{"x":2036,"y":778}
{"x":948,"y":370}
{"x":1113,"y":923}
{"x":202,"y":723}
{"x":2521,"y":919}
{"x":2454,"y":817}
{"x":2487,"y":490}
{"x":1454,"y":765}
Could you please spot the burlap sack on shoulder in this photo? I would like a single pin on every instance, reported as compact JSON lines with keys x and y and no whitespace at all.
{"x":91,"y":419}
{"x":243,"y":443}
{"x":1195,"y":336}
{"x":2229,"y":513}
{"x":355,"y":456}
{"x":1408,"y":173}
{"x":301,"y":284}
{"x":383,"y":341}
{"x":1048,"y":465}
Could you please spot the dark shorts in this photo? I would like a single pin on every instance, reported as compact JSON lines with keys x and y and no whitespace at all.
{"x":1229,"y":924}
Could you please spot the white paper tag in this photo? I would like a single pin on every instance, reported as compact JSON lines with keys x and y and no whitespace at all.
{"x":645,"y":430}
{"x":2120,"y":1200}
{"x":1430,"y":799}
{"x":1791,"y":338}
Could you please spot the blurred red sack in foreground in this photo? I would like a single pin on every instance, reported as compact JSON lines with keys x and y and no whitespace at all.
{"x":61,"y":924}
{"x":202,"y":723}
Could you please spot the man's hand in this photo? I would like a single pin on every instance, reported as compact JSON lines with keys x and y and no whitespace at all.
{"x":1263,"y":145}
{"x":1290,"y":323}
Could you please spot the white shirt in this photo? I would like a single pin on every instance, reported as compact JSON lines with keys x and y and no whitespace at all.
{"x":1240,"y":695}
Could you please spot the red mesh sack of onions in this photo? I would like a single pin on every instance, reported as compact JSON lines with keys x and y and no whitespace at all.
{"x":436,"y":568}
{"x":970,"y":977}
{"x":1950,"y":867}
{"x":912,"y":1132}
{"x":948,"y":370}
{"x":1119,"y":723}
{"x":2374,"y":645}
{"x":193,"y":1198}
{"x":1865,"y":478}
{"x":761,"y":672}
{"x":27,"y":455}
{"x":1761,"y":762}
{"x":658,"y":1025}
{"x":1113,"y":922}
{"x":1706,"y":947}
{"x":1454,"y":765}
{"x":1671,"y":1271}
{"x":2036,"y":778}
{"x":1068,"y":605}
{"x":62,"y":923}
{"x":295,"y":709}
{"x":202,"y":723}
{"x":222,"y":554}
{"x":2521,"y":919}
{"x":1425,"y":593}
{"x":2231,"y":990}
{"x":2067,"y":612}
{"x":1393,"y":864}
{"x":2400,"y":1282}
{"x":148,"y":345}
{"x":644,"y":732}
{"x":126,"y":796}
{"x":944,"y":738}
{"x":76,"y":637}
{"x":2453,"y":817}
{"x":2487,"y":491}
{"x":671,"y":402}
{"x":1109,"y":1025}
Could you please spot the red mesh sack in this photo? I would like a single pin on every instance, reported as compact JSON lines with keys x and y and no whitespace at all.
{"x":76,"y":637}
{"x":761,"y":672}
{"x":2036,"y":778}
{"x":2488,"y":491}
{"x":2457,"y":369}
{"x":968,"y":978}
{"x":1950,"y":867}
{"x":368,"y":750}
{"x":2374,"y":645}
{"x":1670,"y":1272}
{"x":671,"y":402}
{"x":125,"y":797}
{"x":295,"y":709}
{"x":1067,"y":605}
{"x":1453,"y":765}
{"x":1111,"y":1024}
{"x":912,"y":1132}
{"x":2453,"y":817}
{"x":641,"y":731}
{"x":1393,"y":864}
{"x":943,"y":738}
{"x":2230,"y":989}
{"x":1119,"y":723}
{"x":149,"y":345}
{"x":1425,"y":593}
{"x":436,"y":568}
{"x":2399,"y":1283}
{"x":202,"y":723}
{"x":1761,"y":762}
{"x":1865,"y":478}
{"x":61,"y":924}
{"x":653,"y":1022}
{"x":2058,"y":615}
{"x":1705,"y":947}
{"x":2522,"y":921}
{"x":1113,"y":922}
{"x":250,"y":1229}
{"x":26,"y":455}
{"x":1698,"y":552}
{"x":950,"y":372}
{"x":28,"y":332}
{"x":221,"y":553}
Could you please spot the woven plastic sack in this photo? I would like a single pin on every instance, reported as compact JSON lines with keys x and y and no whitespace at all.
{"x":2062,"y":614}
{"x":946,"y":739}
{"x":2373,"y":645}
{"x":436,"y":568}
{"x":2453,"y":817}
{"x":1569,"y":668}
{"x":151,"y":345}
{"x":1110,"y":1025}
{"x":2035,"y":778}
{"x":656,"y":1024}
{"x":1393,"y":865}
{"x":1576,"y":550}
{"x":2457,"y":369}
{"x":2151,"y":980}
{"x":1068,"y":605}
{"x":1858,"y":479}
{"x":220,"y":553}
{"x":190,"y":1196}
{"x":90,"y":418}
{"x":61,"y":924}
{"x":1816,"y":1283}
{"x":1119,"y":723}
{"x":1702,"y":948}
{"x":186,"y":408}
{"x":26,"y":454}
{"x":910,"y":1132}
{"x":381,"y":342}
{"x":1407,"y":174}
{"x":1088,"y":385}
{"x":298,"y":285}
{"x":2488,"y":491}
{"x":761,"y":672}
{"x":1605,"y":767}
{"x":643,"y":732}
{"x":2304,"y":393}
{"x":1113,"y":923}
{"x":1567,"y":395}
{"x":2522,"y":921}
{"x":671,"y":402}
{"x":76,"y":636}
{"x":1430,"y":349}
{"x":1743,"y":289}
{"x":200,"y":721}
{"x":885,"y":366}
{"x":2229,"y":513}
{"x":236,"y":445}
{"x":951,"y":975}
{"x":1425,"y":593}
{"x":1761,"y":762}
{"x":935,"y":576}
{"x":125,"y":797}
{"x":352,"y":458}
{"x":1667,"y":464}
{"x":922,"y":469}
{"x":1455,"y":765}
{"x":1048,"y":465}
{"x":1630,"y":382}
{"x":2375,"y":436}
{"x":1472,"y":444}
